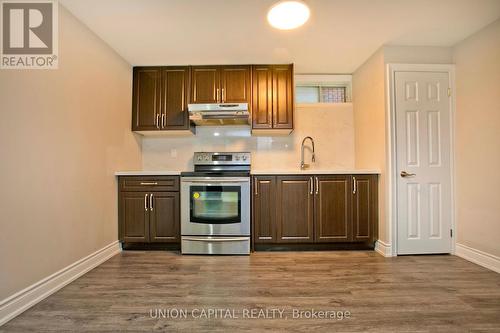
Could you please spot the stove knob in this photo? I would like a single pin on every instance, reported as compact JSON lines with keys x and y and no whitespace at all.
{"x":237,"y":158}
{"x":244,"y":157}
{"x":199,"y":157}
{"x":206,"y":157}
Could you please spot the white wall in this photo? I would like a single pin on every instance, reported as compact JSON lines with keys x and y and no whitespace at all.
{"x":418,"y":54}
{"x":478,"y":140}
{"x":368,"y":95}
{"x":63,"y":133}
{"x":370,"y":114}
{"x":330,"y":126}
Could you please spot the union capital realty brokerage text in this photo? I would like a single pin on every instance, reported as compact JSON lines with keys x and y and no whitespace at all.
{"x":247,"y":313}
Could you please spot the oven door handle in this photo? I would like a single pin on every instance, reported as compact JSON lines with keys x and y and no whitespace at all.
{"x":232,"y":239}
{"x":215,"y":180}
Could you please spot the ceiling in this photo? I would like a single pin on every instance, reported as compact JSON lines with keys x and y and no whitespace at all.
{"x":340,"y":35}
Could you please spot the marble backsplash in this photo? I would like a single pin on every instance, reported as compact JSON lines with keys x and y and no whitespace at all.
{"x":331,"y":126}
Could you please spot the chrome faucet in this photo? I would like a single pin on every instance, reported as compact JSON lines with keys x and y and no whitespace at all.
{"x":313,"y":159}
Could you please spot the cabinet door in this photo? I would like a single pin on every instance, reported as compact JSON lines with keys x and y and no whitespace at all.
{"x":174,"y":98}
{"x":235,"y":84}
{"x":262,"y":102}
{"x":364,"y":207}
{"x":295,"y":209}
{"x":264,"y":209}
{"x":146,"y":99}
{"x":205,"y":84}
{"x":283,"y":103}
{"x":164,"y":218}
{"x":332,"y":203}
{"x":134,"y":217}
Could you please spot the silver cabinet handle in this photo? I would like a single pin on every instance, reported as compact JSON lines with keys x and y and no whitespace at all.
{"x":163,"y":122}
{"x":158,"y":121}
{"x":149,"y":183}
{"x":151,"y":202}
{"x":406,"y":174}
{"x":146,"y":202}
{"x":218,"y":95}
{"x":310,"y":185}
{"x":223,"y":95}
{"x":317,"y":185}
{"x":354,"y":185}
{"x":256,"y":185}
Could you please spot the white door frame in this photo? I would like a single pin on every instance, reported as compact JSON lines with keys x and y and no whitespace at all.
{"x":392,"y":172}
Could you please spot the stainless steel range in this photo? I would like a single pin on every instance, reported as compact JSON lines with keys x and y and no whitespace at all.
{"x":215,"y":204}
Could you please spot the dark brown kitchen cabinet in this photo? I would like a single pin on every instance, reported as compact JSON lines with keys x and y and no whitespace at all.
{"x":294,"y":207}
{"x":316,"y":209}
{"x":272,"y":97}
{"x":332,"y":202}
{"x":160,"y":97}
{"x":205,"y":84}
{"x":149,"y":183}
{"x":364,"y":207}
{"x":150,"y":215}
{"x":146,"y":99}
{"x":283,"y":101}
{"x":164,"y":217}
{"x":235,"y":84}
{"x":133,"y":217}
{"x":262,"y":110}
{"x":174,"y":98}
{"x":220,"y":84}
{"x":264,"y":209}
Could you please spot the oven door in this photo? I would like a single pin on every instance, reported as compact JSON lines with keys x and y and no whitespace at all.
{"x":215,"y":206}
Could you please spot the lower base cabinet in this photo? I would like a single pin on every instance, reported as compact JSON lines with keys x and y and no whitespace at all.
{"x":365,"y":208}
{"x":133,"y":217}
{"x":294,"y":209}
{"x":164,"y":220}
{"x":264,"y":209}
{"x":286,"y":210}
{"x":333,"y":216}
{"x":316,"y":209}
{"x":149,"y":209}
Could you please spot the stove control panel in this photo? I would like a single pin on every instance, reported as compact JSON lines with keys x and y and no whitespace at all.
{"x":229,"y":158}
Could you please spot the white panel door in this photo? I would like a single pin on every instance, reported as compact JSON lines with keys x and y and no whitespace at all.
{"x":423,"y":148}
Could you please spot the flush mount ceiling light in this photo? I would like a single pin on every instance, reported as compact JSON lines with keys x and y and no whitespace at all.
{"x":287,"y":15}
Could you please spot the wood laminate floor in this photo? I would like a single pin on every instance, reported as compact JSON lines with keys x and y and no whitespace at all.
{"x":402,"y":294}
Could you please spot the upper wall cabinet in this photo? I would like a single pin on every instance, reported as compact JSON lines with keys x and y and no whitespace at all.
{"x":160,"y":97}
{"x":174,"y":98}
{"x":235,"y":84}
{"x":220,"y":84}
{"x":272,"y":102}
{"x":146,"y":99}
{"x":205,"y":84}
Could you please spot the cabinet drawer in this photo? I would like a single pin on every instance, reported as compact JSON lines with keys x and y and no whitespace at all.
{"x":149,"y":183}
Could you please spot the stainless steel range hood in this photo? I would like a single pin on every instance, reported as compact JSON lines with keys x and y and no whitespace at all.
{"x":219,"y":114}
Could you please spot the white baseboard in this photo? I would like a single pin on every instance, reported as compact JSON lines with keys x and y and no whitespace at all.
{"x":26,"y":298}
{"x":481,"y":258}
{"x":383,"y":248}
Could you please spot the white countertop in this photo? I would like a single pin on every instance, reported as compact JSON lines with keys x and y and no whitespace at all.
{"x":257,"y":172}
{"x":315,"y":172}
{"x":148,"y":173}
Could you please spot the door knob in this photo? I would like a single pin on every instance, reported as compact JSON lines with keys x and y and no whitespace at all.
{"x":406,"y":174}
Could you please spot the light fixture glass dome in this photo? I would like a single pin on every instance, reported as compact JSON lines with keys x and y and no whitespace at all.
{"x":286,"y":15}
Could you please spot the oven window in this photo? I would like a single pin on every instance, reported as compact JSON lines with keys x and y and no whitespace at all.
{"x":215,"y":204}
